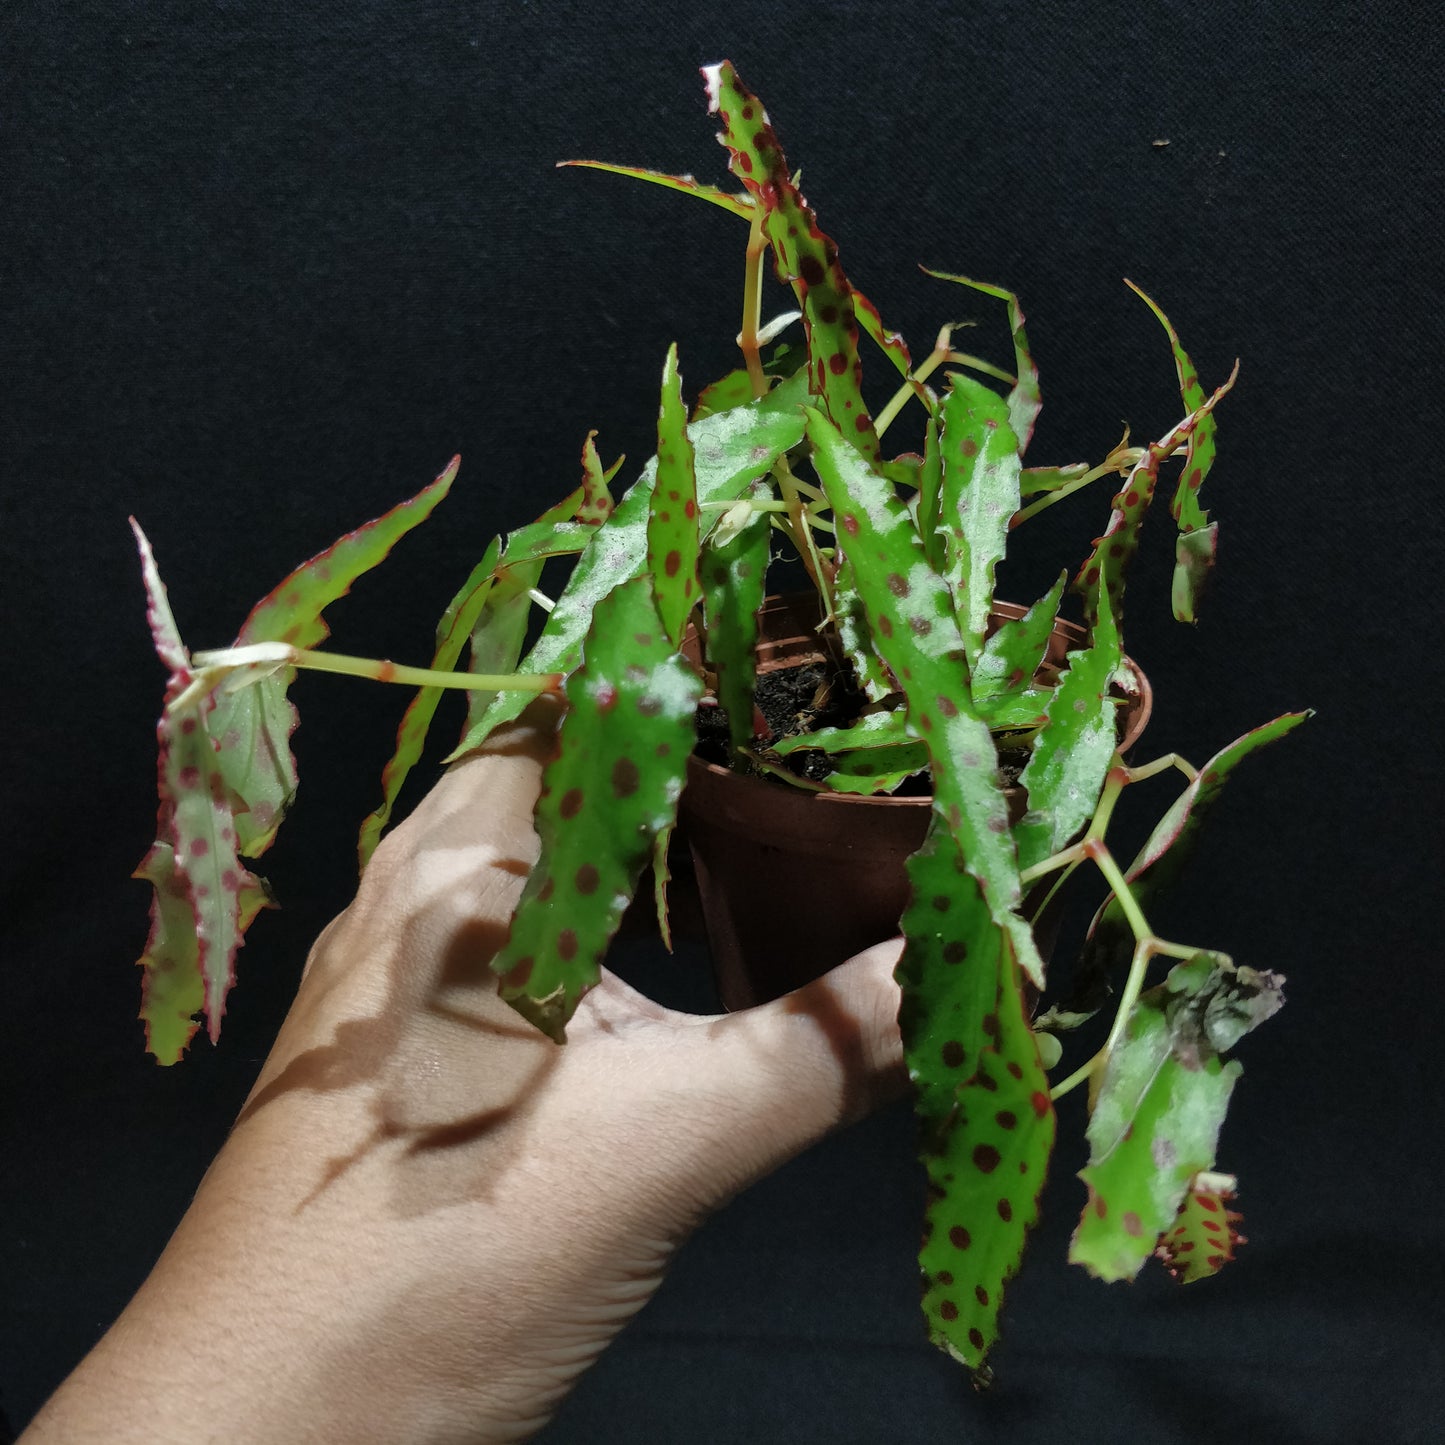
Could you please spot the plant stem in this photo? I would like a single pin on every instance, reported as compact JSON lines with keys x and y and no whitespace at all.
{"x":921,"y":373}
{"x":753,"y":304}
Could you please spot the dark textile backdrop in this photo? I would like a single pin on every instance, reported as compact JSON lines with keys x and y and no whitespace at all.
{"x":267,"y":267}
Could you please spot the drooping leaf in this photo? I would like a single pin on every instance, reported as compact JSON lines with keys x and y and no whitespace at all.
{"x":1156,"y":1121}
{"x":733,"y":571}
{"x":1163,"y":856}
{"x":873,"y":730}
{"x":1205,"y":1233}
{"x":805,"y":258}
{"x":1073,"y":751}
{"x":891,"y":343}
{"x":986,"y":1158}
{"x":1195,"y":559}
{"x":1024,"y":400}
{"x":980,"y":493}
{"x":1033,"y":480}
{"x":611,"y":789}
{"x":1013,"y":654}
{"x":673,"y":537}
{"x":1116,"y":548}
{"x":913,"y":626}
{"x":739,"y":205}
{"x":732,"y":450}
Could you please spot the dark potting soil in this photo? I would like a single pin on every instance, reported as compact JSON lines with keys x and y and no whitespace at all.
{"x":804,"y":699}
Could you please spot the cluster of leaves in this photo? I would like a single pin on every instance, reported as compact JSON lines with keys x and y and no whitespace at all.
{"x":903,"y":552}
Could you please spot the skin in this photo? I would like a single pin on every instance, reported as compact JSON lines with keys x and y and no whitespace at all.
{"x":429,"y":1219}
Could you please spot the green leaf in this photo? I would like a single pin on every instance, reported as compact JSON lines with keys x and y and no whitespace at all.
{"x":912,"y":623}
{"x":734,"y":389}
{"x":877,"y":770}
{"x":1116,"y":548}
{"x":1033,"y":480}
{"x":1205,"y":1232}
{"x":732,"y":450}
{"x":609,"y":792}
{"x":673,"y":537}
{"x":986,"y":1156}
{"x":1194,"y":560}
{"x":892,"y":344}
{"x":733,"y":572}
{"x":1156,"y":1122}
{"x":1072,"y":753}
{"x":930,"y":490}
{"x":980,"y":493}
{"x":874,"y":730}
{"x":1013,"y":654}
{"x":1025,"y":401}
{"x":739,"y":205}
{"x":804,"y":257}
{"x":1160,"y":861}
{"x":596,"y":504}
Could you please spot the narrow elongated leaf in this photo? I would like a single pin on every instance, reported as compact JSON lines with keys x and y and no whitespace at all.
{"x":451,"y":635}
{"x":1116,"y":548}
{"x":891,"y":343}
{"x":596,"y":504}
{"x":1072,"y":753}
{"x":1033,"y":480}
{"x":805,"y":258}
{"x":1193,"y":561}
{"x":611,"y":789}
{"x":980,"y":493}
{"x":855,"y":636}
{"x":911,"y":618}
{"x":732,"y":450}
{"x":930,"y":489}
{"x":1013,"y":654}
{"x":1163,"y":856}
{"x":733,"y":572}
{"x":1205,"y":1233}
{"x":877,"y":770}
{"x":538,"y":541}
{"x":986,"y":1164}
{"x":673,"y":537}
{"x":739,"y":205}
{"x":1024,"y":400}
{"x":875,"y":730}
{"x":1156,"y":1122}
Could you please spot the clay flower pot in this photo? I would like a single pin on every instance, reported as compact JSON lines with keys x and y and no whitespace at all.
{"x":793,"y":882}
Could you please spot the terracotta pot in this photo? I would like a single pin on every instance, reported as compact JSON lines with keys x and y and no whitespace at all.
{"x":794,"y":882}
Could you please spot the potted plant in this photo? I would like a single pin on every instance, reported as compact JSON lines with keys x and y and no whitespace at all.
{"x":921,"y":674}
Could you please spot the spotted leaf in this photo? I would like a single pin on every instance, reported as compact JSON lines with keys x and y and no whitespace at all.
{"x":1114,"y":551}
{"x":893,"y":346}
{"x":596,"y":504}
{"x":733,"y":571}
{"x":877,"y":770}
{"x":980,"y":493}
{"x":673,"y":536}
{"x":732,"y":449}
{"x":1013,"y":653}
{"x":930,"y":488}
{"x":609,"y":792}
{"x":986,"y":1161}
{"x":911,"y":618}
{"x":873,"y":730}
{"x":1074,"y":749}
{"x":1193,"y":558}
{"x":805,"y":258}
{"x":1205,"y":1232}
{"x":1156,"y":1122}
{"x":1025,"y":401}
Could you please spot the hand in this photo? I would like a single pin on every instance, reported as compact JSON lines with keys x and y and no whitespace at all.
{"x":429,"y":1218}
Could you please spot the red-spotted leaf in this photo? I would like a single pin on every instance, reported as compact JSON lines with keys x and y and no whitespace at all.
{"x":874,"y":730}
{"x":739,"y":205}
{"x":1205,"y":1233}
{"x":596,"y":504}
{"x":1013,"y":653}
{"x":913,"y":627}
{"x":1024,"y":400}
{"x":877,"y":770}
{"x":986,"y":1162}
{"x":733,"y":572}
{"x":673,"y":534}
{"x":804,"y":257}
{"x":1156,"y":1121}
{"x":732,"y":449}
{"x":1116,"y":548}
{"x":1195,"y":560}
{"x":1073,"y":751}
{"x":1160,"y":861}
{"x":610,"y":791}
{"x":980,"y":493}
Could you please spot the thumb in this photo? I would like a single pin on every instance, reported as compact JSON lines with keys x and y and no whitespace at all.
{"x":766,"y":1083}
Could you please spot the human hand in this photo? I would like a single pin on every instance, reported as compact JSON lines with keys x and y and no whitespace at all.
{"x":429,"y":1218}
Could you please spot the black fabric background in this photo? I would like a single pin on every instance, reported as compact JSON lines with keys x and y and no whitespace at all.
{"x":267,"y":267}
